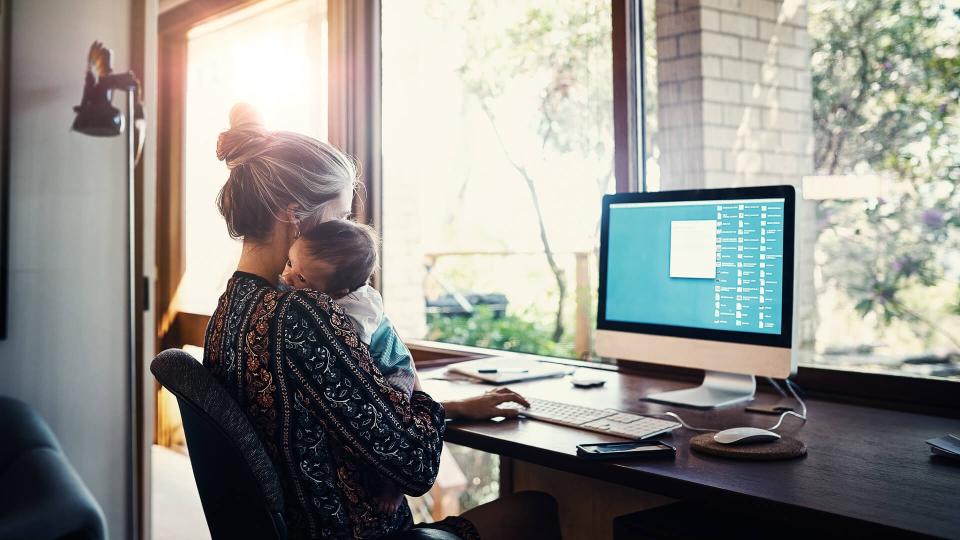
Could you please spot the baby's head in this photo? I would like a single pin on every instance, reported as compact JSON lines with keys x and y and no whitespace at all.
{"x":336,"y":257}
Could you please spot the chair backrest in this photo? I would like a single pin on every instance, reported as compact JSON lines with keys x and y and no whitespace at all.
{"x":238,"y":485}
{"x":41,"y":495}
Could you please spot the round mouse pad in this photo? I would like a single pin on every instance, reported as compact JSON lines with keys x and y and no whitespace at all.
{"x":784,"y":448}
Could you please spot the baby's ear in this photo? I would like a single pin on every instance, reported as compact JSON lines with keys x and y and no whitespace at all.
{"x":341,"y":293}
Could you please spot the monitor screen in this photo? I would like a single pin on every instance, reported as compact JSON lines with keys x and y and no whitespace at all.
{"x":699,"y":264}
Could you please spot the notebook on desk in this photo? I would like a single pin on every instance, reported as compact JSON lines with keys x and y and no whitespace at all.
{"x":502,"y":370}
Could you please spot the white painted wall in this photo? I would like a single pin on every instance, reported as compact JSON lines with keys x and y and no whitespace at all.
{"x":65,"y":350}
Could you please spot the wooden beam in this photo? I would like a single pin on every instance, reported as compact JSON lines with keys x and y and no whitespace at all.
{"x":584,"y":311}
{"x":354,"y":124}
{"x":628,"y":146}
{"x":187,"y":329}
{"x":182,"y":17}
{"x":170,"y":241}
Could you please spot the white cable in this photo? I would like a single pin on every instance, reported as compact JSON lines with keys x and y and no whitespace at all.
{"x":802,"y":415}
{"x":774,"y":384}
{"x":682,"y":423}
{"x":803,"y":407}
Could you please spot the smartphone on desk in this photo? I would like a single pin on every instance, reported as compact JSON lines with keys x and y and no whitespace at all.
{"x":626,"y":450}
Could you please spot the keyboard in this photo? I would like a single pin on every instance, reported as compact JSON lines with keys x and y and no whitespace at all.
{"x":609,"y":421}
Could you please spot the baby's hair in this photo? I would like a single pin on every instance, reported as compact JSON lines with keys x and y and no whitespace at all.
{"x":350,"y":247}
{"x":271,"y":170}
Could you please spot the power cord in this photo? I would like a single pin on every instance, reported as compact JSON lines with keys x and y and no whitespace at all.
{"x":774,"y":384}
{"x":791,"y":387}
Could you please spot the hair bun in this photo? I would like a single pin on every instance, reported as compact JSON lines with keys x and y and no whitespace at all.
{"x":246,"y":137}
{"x":243,"y":114}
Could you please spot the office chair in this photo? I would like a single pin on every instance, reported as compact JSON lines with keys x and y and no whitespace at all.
{"x":239,"y":488}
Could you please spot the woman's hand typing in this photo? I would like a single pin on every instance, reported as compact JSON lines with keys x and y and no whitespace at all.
{"x":485,"y":405}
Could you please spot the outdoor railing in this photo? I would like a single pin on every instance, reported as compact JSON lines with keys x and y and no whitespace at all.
{"x":582,"y":290}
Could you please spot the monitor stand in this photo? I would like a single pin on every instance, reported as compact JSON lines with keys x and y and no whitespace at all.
{"x":718,"y":389}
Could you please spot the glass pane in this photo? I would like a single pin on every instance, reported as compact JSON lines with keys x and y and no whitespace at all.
{"x":887,"y":123}
{"x":857,"y":102}
{"x":497,"y":145}
{"x":274,"y":56}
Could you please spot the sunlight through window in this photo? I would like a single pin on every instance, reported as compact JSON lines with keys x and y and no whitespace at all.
{"x":274,"y":56}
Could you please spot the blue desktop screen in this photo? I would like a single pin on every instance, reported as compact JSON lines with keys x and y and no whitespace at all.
{"x":700,"y":264}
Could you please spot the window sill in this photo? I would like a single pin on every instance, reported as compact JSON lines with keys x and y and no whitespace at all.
{"x":438,"y":353}
{"x":185,"y":329}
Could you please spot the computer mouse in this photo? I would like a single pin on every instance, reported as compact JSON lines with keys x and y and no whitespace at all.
{"x":745,"y":435}
{"x":583,"y":378}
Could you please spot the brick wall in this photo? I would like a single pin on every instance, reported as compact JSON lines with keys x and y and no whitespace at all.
{"x":734,"y":104}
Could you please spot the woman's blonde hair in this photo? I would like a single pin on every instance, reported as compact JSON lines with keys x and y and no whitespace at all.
{"x":270,"y":170}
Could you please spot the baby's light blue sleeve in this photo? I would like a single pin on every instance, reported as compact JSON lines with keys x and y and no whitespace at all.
{"x":392,"y":356}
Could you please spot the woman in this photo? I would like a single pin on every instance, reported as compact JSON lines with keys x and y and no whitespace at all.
{"x":334,"y":429}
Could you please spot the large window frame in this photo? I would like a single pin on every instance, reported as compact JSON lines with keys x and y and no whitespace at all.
{"x":899,"y":392}
{"x":355,"y":126}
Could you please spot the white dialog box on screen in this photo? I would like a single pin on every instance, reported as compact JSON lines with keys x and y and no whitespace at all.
{"x":693,"y":249}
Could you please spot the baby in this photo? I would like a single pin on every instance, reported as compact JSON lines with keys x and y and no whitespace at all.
{"x":338,"y":257}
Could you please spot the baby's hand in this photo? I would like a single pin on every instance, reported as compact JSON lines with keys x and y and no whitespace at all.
{"x":390,"y":499}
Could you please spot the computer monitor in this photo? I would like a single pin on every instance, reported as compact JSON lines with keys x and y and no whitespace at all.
{"x":700,"y":279}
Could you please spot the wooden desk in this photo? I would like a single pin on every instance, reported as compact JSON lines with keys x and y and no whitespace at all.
{"x":867,"y":470}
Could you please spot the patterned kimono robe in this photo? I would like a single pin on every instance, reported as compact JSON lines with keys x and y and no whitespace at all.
{"x":332,"y":426}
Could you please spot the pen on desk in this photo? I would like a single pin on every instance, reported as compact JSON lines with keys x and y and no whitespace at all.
{"x":501,"y":370}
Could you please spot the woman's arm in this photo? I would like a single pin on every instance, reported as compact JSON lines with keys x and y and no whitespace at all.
{"x":336,"y":380}
{"x":485,"y":405}
{"x":479,"y":407}
{"x":385,"y":341}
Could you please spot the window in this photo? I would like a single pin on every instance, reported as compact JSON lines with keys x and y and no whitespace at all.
{"x":497,"y":145}
{"x":274,"y":56}
{"x":857,"y":102}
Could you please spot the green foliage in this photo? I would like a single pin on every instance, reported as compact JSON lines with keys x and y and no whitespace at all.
{"x":886,"y":102}
{"x":511,"y":332}
{"x":886,"y":89}
{"x":552,"y":60}
{"x":563,"y":50}
{"x":886,"y":76}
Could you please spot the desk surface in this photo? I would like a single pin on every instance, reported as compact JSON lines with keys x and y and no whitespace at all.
{"x":864,"y":466}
